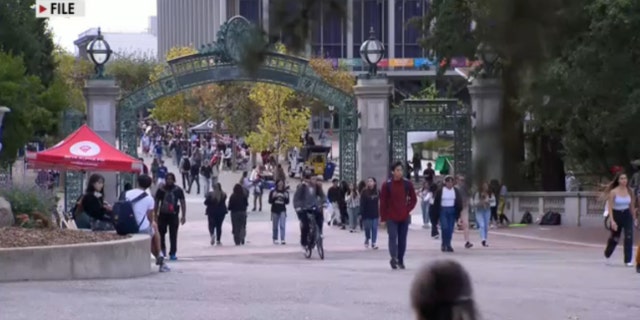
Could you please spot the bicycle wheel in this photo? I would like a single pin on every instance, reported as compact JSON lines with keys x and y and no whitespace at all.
{"x":320,"y":247}
{"x":310,"y":242}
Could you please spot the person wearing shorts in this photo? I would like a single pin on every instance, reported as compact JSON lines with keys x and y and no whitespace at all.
{"x":145,"y":216}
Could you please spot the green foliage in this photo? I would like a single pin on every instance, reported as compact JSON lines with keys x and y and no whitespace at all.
{"x":594,"y":94}
{"x":34,"y":108}
{"x":73,"y":73}
{"x":22,"y":34}
{"x":30,"y":204}
{"x":131,"y":72}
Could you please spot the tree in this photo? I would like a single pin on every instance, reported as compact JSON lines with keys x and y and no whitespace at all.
{"x":591,"y":97}
{"x":174,"y":108}
{"x":131,"y":72}
{"x":337,"y":77}
{"x":73,"y":72}
{"x":525,"y":35}
{"x":280,"y":126}
{"x":35,"y":109}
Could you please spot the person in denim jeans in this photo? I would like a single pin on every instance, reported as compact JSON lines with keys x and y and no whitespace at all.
{"x":426,"y":198}
{"x":353,"y":207}
{"x":369,"y":211}
{"x":397,"y":199}
{"x":279,"y":199}
{"x":482,"y":202}
{"x":621,"y":215}
{"x":448,"y":205}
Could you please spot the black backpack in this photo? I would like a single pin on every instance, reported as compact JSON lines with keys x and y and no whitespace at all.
{"x":186,"y":164}
{"x":124,"y":218}
{"x":527,"y":218}
{"x":551,"y":219}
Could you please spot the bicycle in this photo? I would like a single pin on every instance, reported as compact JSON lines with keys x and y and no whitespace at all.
{"x":314,"y":238}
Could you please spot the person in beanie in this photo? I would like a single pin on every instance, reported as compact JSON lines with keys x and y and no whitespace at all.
{"x":397,"y":199}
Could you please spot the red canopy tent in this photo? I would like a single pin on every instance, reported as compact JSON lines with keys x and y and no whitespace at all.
{"x":84,"y":150}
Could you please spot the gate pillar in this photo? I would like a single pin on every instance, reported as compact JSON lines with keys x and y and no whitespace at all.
{"x":101,"y":96}
{"x":486,"y":104}
{"x":372,"y":95}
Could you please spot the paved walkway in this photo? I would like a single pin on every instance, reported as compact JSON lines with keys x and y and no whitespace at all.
{"x":515,"y":278}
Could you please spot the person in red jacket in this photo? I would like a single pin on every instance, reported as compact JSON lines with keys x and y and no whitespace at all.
{"x":397,"y":199}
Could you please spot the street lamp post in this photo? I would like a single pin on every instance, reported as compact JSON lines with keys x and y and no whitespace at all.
{"x":99,"y":52}
{"x":3,"y":111}
{"x":331,"y":112}
{"x":372,"y":51}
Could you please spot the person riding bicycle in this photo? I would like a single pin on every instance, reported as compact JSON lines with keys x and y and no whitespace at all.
{"x":307,"y":200}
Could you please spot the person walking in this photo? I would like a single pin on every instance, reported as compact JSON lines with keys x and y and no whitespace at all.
{"x":482,"y":201}
{"x":205,"y":174}
{"x":448,"y":203}
{"x":434,"y":217}
{"x":333,"y":194}
{"x":621,"y":216}
{"x":369,"y":211}
{"x":426,"y":198}
{"x":170,"y":201}
{"x":185,"y":171}
{"x":353,"y":207}
{"x":215,"y":201}
{"x":279,"y":199}
{"x":194,"y":174}
{"x":463,"y":218}
{"x":238,"y":204}
{"x":215,"y":169}
{"x":397,"y":199}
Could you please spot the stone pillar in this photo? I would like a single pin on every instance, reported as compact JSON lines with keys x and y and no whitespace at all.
{"x":373,"y":142}
{"x":391,"y":27}
{"x":101,"y":96}
{"x":350,"y":27}
{"x":486,"y":104}
{"x":223,"y":12}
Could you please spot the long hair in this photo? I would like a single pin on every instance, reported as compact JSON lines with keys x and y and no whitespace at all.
{"x":92,"y":180}
{"x":217,"y":193}
{"x":238,"y":191}
{"x":613,"y":184}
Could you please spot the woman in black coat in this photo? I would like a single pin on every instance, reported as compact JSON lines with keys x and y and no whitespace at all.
{"x":94,"y":207}
{"x":238,"y":203}
{"x":370,"y":212}
{"x":216,"y":211}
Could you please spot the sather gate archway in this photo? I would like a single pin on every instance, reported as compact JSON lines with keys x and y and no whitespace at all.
{"x":218,"y":63}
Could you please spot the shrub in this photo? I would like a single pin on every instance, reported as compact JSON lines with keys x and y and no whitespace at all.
{"x":32,"y":207}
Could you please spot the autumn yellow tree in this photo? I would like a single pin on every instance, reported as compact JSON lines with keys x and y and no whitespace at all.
{"x":175,"y":108}
{"x":340,"y":78}
{"x":280,"y":126}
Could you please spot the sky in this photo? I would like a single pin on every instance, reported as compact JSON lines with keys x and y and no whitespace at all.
{"x":110,"y":15}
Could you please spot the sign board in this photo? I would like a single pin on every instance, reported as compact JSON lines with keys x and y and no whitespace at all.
{"x":59,"y":8}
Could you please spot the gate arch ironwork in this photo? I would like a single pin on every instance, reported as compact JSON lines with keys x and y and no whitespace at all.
{"x":218,"y":62}
{"x":416,"y":115}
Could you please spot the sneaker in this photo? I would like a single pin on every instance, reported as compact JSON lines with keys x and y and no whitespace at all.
{"x":401,"y":265}
{"x":436,"y":237}
{"x":374,"y":247}
{"x":629,"y":264}
{"x":448,"y":249}
{"x":366,"y":244}
{"x":173,"y":257}
{"x":282,"y":242}
{"x":394,"y":264}
{"x":164,"y":254}
{"x":218,"y":243}
{"x":638,"y":268}
{"x":351,"y":231}
{"x":424,"y":226}
{"x":159,"y":261}
{"x":468,"y":245}
{"x":607,"y":261}
{"x":164,"y":268}
{"x":213,"y":239}
{"x":484,"y":243}
{"x":275,"y":242}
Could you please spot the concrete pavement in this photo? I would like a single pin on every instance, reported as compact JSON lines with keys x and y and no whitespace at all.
{"x":515,"y":278}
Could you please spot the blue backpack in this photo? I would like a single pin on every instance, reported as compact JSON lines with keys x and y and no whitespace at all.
{"x":124,"y":219}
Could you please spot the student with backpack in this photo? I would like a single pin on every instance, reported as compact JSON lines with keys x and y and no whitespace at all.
{"x":397,"y":199}
{"x":134,"y":213}
{"x":185,"y":171}
{"x":170,"y":201}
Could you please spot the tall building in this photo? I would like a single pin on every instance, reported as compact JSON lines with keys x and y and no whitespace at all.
{"x":196,"y":22}
{"x":123,"y":44}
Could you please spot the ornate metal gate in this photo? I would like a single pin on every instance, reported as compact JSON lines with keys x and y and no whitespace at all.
{"x":73,"y":181}
{"x":218,"y":63}
{"x":442,"y":115}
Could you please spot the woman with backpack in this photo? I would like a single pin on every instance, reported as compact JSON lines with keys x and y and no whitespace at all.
{"x":238,"y":204}
{"x":482,"y":201}
{"x":369,"y":210}
{"x":215,"y":202}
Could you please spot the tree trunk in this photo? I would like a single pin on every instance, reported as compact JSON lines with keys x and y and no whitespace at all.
{"x":551,"y":164}
{"x":512,"y":131}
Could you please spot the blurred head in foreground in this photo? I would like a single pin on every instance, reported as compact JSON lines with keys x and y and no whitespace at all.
{"x":442,"y":291}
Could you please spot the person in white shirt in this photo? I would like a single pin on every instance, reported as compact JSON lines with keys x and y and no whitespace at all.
{"x":448,"y":204}
{"x":145,"y":216}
